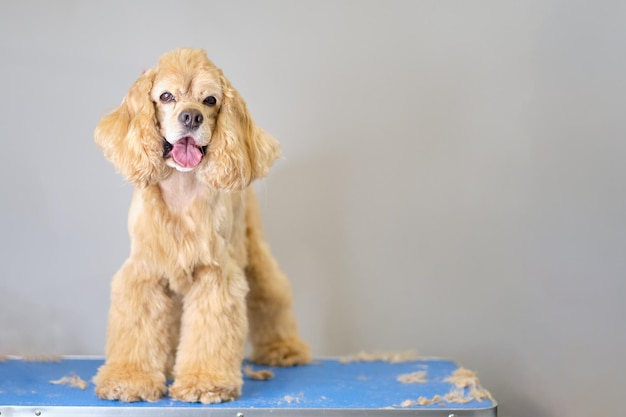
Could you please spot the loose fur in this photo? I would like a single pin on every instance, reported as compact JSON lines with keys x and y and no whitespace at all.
{"x":199,"y":270}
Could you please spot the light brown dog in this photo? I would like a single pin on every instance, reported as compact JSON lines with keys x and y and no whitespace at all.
{"x":199,"y":269}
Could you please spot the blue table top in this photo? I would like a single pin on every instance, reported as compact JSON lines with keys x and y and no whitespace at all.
{"x":324,"y":385}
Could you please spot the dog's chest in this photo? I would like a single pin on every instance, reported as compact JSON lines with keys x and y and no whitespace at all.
{"x":198,"y":220}
{"x":180,"y":191}
{"x":182,"y":224}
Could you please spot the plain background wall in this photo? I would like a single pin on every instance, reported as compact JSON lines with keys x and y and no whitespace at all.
{"x":453,"y":178}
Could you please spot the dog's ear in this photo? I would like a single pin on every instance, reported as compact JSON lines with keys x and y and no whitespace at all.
{"x":129,"y":136}
{"x":239,"y":151}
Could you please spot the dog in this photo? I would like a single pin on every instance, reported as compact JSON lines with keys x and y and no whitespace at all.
{"x":200,"y":276}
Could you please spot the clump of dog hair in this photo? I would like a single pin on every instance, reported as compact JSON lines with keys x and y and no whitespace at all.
{"x":72,"y":381}
{"x":259,"y":374}
{"x":390,"y":357}
{"x":418,"y":377}
{"x":421,"y":401}
{"x":289,"y":399}
{"x":462,"y":379}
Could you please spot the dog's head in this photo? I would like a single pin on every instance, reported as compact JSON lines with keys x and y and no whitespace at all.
{"x":184,"y":114}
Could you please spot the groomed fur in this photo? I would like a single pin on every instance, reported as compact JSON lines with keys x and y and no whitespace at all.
{"x":199,"y":269}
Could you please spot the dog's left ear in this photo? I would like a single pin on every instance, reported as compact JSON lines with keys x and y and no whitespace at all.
{"x":240,"y":151}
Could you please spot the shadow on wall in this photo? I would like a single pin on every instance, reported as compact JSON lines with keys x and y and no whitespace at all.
{"x":304,"y":211}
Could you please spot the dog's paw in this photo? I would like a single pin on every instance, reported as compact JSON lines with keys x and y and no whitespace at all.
{"x":287,"y":352}
{"x":201,"y":388}
{"x":126,"y":383}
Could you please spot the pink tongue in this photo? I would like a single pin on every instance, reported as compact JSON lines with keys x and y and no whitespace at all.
{"x":186,"y":153}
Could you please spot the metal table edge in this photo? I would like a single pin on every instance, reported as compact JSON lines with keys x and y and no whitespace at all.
{"x":73,"y":411}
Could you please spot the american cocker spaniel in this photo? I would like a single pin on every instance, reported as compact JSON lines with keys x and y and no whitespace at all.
{"x":200,"y":276}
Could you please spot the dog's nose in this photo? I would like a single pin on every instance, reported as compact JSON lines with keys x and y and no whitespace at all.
{"x":191,"y":119}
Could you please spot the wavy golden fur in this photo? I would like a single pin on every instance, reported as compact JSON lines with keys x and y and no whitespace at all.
{"x":200,"y":275}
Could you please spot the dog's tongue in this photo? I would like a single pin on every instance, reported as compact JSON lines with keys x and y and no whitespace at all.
{"x":186,"y":153}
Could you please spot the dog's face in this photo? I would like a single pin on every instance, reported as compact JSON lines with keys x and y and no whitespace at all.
{"x":184,"y":114}
{"x":187,"y":100}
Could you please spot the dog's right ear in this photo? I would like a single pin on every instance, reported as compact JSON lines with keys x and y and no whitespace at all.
{"x":130,"y":138}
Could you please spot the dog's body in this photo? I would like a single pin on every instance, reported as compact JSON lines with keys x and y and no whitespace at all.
{"x":199,"y":270}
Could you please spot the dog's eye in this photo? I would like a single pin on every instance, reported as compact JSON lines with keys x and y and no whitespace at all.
{"x":166,"y":97}
{"x":210,"y":101}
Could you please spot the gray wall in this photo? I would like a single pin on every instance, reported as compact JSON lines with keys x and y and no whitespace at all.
{"x":453,"y":177}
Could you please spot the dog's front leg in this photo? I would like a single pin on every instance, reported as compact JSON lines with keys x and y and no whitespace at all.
{"x":212,"y":336}
{"x":137,"y":337}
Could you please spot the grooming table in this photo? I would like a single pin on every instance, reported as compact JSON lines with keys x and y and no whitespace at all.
{"x":325,"y":388}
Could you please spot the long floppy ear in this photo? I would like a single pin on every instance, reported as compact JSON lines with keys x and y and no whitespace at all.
{"x":129,"y":136}
{"x":239,"y":151}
